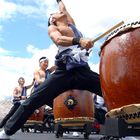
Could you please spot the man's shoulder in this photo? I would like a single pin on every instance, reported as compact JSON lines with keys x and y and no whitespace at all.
{"x":16,"y":88}
{"x":52,"y":28}
{"x":36,"y":71}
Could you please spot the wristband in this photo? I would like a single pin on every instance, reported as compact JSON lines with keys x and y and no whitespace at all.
{"x":58,"y":1}
{"x":75,"y":40}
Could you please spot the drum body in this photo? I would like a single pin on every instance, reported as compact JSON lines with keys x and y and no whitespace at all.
{"x":120,"y":67}
{"x":38,"y":115}
{"x":74,"y":104}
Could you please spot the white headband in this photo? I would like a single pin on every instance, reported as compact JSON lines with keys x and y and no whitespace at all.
{"x":50,"y":20}
{"x":51,"y":17}
{"x":44,"y":59}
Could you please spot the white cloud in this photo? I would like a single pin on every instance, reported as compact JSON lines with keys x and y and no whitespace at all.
{"x":30,"y":11}
{"x":3,"y":51}
{"x":37,"y":53}
{"x":94,"y":67}
{"x":32,"y":49}
{"x":7,"y":9}
{"x":96,"y":16}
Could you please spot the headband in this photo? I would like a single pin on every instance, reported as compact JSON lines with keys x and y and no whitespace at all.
{"x":43,"y":59}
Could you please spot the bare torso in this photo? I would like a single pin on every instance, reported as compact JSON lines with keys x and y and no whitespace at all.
{"x":18,"y":91}
{"x":41,"y":74}
{"x":65,"y":30}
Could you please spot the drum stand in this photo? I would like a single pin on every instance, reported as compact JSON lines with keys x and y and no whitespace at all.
{"x":115,"y":128}
{"x":34,"y":125}
{"x":85,"y":128}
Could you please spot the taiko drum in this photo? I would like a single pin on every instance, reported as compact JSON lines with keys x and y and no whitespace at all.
{"x":120,"y":66}
{"x":73,"y":104}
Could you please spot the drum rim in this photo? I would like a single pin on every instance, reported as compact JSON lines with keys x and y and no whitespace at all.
{"x":75,"y":119}
{"x":119,"y":31}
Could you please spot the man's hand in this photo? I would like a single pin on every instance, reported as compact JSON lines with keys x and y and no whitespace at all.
{"x":58,"y":1}
{"x":23,"y":97}
{"x":53,"y":68}
{"x":86,"y":43}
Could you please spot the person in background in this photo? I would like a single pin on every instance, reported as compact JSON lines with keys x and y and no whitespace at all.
{"x":100,"y":108}
{"x":40,"y":75}
{"x":43,"y":72}
{"x":19,"y":95}
{"x":73,"y":71}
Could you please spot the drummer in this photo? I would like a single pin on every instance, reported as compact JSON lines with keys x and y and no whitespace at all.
{"x":19,"y":96}
{"x":43,"y":72}
{"x":100,"y":108}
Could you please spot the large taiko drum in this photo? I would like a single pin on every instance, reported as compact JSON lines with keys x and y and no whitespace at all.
{"x":73,"y":106}
{"x":120,"y":69}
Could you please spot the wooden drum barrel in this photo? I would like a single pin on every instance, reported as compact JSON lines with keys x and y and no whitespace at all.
{"x":38,"y":115}
{"x":73,"y":105}
{"x":120,"y":67}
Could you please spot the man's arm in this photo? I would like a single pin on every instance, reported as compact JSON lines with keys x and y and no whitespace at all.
{"x":62,"y":8}
{"x":58,"y":38}
{"x":66,"y":41}
{"x":52,"y":69}
{"x":29,"y":86}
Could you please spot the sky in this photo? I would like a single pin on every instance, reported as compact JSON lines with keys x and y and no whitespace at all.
{"x":24,"y":37}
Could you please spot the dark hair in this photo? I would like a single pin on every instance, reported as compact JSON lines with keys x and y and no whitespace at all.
{"x":21,"y":78}
{"x":49,"y":21}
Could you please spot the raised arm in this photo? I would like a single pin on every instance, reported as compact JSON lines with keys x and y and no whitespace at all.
{"x":62,"y":8}
{"x":29,"y":86}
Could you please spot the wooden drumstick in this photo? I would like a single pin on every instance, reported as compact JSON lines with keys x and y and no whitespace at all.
{"x":108,"y":31}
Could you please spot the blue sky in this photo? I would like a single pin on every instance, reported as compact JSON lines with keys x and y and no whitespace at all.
{"x":21,"y":32}
{"x":24,"y":28}
{"x":24,"y":37}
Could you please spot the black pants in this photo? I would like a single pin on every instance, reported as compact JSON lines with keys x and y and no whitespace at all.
{"x":100,"y":115}
{"x":10,"y":113}
{"x":60,"y":81}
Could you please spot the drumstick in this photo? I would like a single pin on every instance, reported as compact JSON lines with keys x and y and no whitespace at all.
{"x":108,"y":31}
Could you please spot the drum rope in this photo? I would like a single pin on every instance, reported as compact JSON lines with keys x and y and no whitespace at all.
{"x":130,"y":113}
{"x":119,"y":31}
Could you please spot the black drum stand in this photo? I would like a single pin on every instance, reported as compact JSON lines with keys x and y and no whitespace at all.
{"x":116,"y":128}
{"x":85,"y":128}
